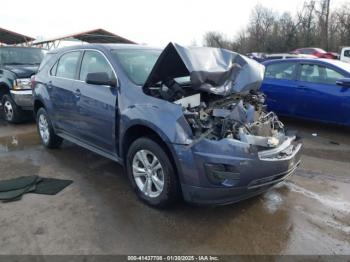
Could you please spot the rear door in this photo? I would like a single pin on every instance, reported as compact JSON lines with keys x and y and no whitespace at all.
{"x":318,"y":95}
{"x":279,"y":87}
{"x":61,"y":90}
{"x":96,"y":106}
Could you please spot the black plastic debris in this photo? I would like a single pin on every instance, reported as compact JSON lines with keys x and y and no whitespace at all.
{"x":14,"y":189}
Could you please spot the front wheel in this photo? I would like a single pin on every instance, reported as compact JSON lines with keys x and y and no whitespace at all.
{"x":46,"y":132}
{"x":11,"y":112}
{"x":151,"y":173}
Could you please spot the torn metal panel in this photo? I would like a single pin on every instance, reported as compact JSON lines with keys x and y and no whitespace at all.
{"x":189,"y":101}
{"x":212,"y":70}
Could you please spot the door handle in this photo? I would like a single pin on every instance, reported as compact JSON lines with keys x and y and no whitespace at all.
{"x":77,"y":93}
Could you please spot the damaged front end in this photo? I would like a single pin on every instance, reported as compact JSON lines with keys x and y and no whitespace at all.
{"x":242,"y":118}
{"x":218,"y":92}
{"x":240,"y":147}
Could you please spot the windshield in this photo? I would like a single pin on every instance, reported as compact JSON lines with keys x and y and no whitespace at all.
{"x":21,"y":56}
{"x":137,"y":63}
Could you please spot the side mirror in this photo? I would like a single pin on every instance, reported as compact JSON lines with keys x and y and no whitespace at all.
{"x":100,"y":78}
{"x":344,"y":82}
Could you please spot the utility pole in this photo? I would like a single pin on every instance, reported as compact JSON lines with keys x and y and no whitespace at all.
{"x":326,"y":23}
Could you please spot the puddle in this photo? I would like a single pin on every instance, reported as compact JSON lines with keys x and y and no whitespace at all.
{"x":328,"y":154}
{"x":273,"y":201}
{"x":333,"y":203}
{"x":330,"y":222}
{"x":18,"y":142}
{"x":13,"y":167}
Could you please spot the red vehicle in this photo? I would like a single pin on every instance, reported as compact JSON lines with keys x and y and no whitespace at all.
{"x":318,"y":52}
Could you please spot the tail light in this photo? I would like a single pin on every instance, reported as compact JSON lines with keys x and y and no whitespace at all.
{"x":32,"y":81}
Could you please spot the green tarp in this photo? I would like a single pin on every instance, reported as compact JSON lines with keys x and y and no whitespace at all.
{"x":14,"y":189}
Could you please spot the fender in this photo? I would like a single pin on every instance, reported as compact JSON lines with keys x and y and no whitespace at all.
{"x":6,"y":78}
{"x":138,"y":122}
{"x":6,"y":83}
{"x":161,"y":134}
{"x":40,"y":93}
{"x":176,"y":131}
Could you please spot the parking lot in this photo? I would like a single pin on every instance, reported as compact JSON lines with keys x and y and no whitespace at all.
{"x":99,"y":213}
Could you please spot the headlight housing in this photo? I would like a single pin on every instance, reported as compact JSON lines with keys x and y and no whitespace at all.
{"x":22,"y":83}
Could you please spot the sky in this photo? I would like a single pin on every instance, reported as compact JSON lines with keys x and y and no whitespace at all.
{"x":151,"y":22}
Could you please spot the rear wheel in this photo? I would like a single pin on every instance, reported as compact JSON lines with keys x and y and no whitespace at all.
{"x":11,"y":112}
{"x":46,"y":132}
{"x":151,"y":173}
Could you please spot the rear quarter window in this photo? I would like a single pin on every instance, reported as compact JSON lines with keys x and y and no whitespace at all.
{"x":46,"y":59}
{"x":67,"y":65}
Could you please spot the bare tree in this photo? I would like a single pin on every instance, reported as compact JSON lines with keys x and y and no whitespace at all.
{"x":261,"y":23}
{"x":323,"y":18}
{"x":313,"y":25}
{"x":216,"y":39}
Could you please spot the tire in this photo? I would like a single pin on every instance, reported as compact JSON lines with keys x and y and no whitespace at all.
{"x":46,"y":132}
{"x":10,"y":111}
{"x":146,"y":149}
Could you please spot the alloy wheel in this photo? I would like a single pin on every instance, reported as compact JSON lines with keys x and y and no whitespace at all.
{"x":44,"y":128}
{"x":8,"y":109}
{"x":148,"y":173}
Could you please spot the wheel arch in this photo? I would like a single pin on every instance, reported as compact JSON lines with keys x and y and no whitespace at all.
{"x":4,"y":89}
{"x":37,"y":105}
{"x":140,"y":130}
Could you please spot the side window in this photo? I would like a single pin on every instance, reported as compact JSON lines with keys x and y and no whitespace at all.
{"x":67,"y":65}
{"x":347,"y":53}
{"x":308,"y":51}
{"x":280,"y":70}
{"x":319,"y":74}
{"x":94,"y":62}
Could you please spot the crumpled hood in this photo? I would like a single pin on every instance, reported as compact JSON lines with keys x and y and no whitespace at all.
{"x":212,"y":70}
{"x":22,"y":71}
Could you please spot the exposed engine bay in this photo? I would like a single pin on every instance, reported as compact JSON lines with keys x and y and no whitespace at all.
{"x":240,"y":117}
{"x":235,"y":117}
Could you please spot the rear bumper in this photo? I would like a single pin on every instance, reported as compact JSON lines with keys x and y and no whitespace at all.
{"x":23,"y":98}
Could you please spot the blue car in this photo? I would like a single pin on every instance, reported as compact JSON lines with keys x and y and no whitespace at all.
{"x":315,"y":89}
{"x":184,"y":122}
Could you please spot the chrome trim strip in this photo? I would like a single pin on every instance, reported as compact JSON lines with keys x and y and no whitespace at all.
{"x":21,"y":92}
{"x":288,"y":174}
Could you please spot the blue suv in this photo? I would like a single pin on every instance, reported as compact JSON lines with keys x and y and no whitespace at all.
{"x":184,"y":122}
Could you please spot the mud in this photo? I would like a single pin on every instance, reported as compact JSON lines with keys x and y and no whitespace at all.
{"x":99,"y":213}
